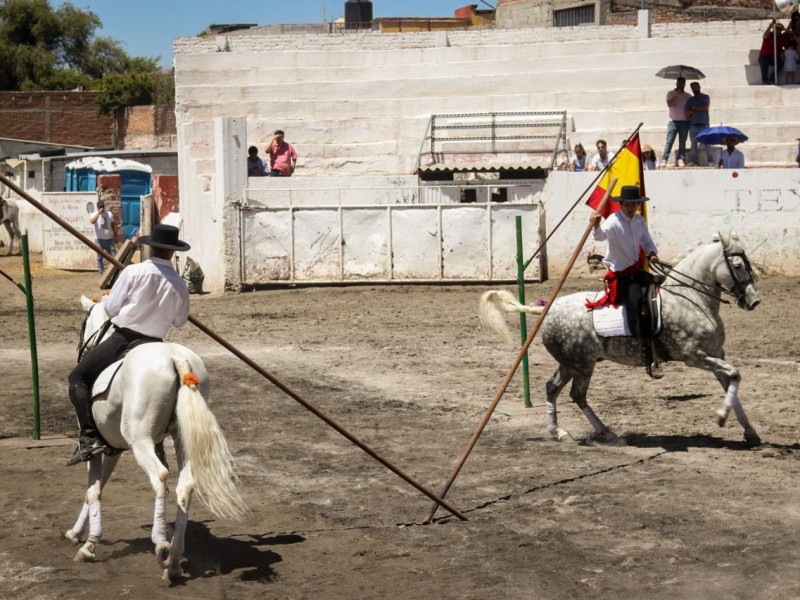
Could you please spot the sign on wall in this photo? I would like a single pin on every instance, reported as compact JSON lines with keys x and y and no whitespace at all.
{"x":61,"y":250}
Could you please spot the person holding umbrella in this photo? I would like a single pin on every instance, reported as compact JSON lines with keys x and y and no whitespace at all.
{"x":678,"y":122}
{"x":730,"y":157}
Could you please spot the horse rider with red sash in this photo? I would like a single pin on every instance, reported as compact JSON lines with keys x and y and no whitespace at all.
{"x":145,"y":301}
{"x":626,"y":281}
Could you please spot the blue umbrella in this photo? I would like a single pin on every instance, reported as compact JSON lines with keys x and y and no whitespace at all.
{"x":718,"y":133}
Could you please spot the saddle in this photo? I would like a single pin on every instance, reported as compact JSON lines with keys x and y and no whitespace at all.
{"x":103,"y":382}
{"x":612,"y":321}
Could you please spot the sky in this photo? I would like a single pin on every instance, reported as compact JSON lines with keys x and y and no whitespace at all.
{"x":147,"y":27}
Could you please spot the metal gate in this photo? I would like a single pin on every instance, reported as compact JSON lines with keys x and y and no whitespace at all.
{"x":387,"y":243}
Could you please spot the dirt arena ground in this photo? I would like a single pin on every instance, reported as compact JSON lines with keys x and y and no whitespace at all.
{"x":685,"y":510}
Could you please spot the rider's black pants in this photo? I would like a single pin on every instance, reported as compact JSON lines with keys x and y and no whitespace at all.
{"x":632,"y":293}
{"x":88,"y":370}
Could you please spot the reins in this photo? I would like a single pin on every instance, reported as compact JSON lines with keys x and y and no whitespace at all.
{"x":668,"y":271}
{"x":92,"y":340}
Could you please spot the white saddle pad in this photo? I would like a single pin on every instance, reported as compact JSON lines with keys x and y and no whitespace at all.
{"x":102,"y":383}
{"x":612,"y":321}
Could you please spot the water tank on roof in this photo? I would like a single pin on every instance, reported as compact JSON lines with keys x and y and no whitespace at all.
{"x":357,"y":14}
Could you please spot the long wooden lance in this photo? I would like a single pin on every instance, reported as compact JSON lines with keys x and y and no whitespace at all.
{"x":504,"y":385}
{"x":243,"y":357}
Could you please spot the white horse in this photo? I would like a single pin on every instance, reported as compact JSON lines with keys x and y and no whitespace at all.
{"x":159,"y":390}
{"x":692,"y":331}
{"x":11,"y":221}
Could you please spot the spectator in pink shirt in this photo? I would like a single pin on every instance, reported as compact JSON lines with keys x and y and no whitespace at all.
{"x":678,"y":123}
{"x":282,"y":157}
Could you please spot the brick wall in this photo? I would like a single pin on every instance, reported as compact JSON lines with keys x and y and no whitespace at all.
{"x":165,"y":194}
{"x":55,"y":117}
{"x":146,"y":127}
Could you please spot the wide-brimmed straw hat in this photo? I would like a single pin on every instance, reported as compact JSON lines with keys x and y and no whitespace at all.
{"x":165,"y":236}
{"x":630,"y":193}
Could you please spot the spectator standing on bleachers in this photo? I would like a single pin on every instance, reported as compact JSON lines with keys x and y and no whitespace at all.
{"x":697,"y":111}
{"x":579,"y":161}
{"x":282,"y":157}
{"x":649,"y":158}
{"x":730,"y":157}
{"x":678,"y":123}
{"x":770,"y":43}
{"x":790,"y":61}
{"x":255,"y":164}
{"x":602,"y":158}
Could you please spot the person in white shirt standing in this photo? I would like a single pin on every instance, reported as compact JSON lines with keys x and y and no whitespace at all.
{"x":145,"y":301}
{"x":105,"y":231}
{"x":626,"y":281}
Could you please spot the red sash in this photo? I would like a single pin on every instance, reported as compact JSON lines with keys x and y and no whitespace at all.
{"x":609,"y":298}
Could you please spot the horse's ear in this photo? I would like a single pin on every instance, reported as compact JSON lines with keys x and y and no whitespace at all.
{"x":86,"y":303}
{"x":722,"y":239}
{"x":734,"y":236}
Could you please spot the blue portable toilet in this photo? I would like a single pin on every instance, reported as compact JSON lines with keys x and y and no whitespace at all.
{"x":135,"y":181}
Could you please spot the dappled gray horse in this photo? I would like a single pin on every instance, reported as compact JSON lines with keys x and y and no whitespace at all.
{"x":692,"y":331}
{"x":11,"y":221}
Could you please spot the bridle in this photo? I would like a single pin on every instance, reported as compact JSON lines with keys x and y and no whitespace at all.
{"x":737,"y":291}
{"x":94,"y":339}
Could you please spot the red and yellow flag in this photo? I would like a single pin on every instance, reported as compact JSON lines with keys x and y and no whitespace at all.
{"x":627,"y":168}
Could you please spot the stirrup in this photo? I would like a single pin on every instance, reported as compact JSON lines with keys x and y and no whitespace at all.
{"x":87,"y":449}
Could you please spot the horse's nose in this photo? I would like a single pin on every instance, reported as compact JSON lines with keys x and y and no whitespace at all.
{"x":751,"y":298}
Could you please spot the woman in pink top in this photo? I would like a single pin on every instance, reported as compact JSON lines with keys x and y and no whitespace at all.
{"x":282,"y":157}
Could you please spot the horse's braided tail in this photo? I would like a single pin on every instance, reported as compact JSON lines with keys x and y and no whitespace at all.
{"x":495,"y":301}
{"x":206,"y":450}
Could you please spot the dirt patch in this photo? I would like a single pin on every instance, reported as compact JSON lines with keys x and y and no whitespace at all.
{"x":685,"y":510}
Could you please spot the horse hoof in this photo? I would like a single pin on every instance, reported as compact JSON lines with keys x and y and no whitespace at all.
{"x":70,"y":535}
{"x":561,"y":435}
{"x":172,"y":575}
{"x":752,"y":439}
{"x":84,"y":555}
{"x":162,"y":554}
{"x":722,"y":417}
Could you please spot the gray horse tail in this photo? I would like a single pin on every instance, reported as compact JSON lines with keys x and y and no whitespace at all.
{"x":492,"y":306}
{"x":206,"y":450}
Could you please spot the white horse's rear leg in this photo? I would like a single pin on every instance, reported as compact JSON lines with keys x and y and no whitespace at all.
{"x":170,"y":556}
{"x":144,"y":452}
{"x":100,"y":469}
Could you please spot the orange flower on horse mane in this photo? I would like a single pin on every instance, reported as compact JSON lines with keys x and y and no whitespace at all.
{"x":190,"y":379}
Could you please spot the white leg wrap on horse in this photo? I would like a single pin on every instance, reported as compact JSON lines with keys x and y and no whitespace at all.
{"x":552,"y":415}
{"x":732,"y":401}
{"x":80,"y":524}
{"x":95,"y":522}
{"x":160,"y":521}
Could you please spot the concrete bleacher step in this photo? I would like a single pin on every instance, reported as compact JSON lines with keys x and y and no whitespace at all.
{"x":360,"y":109}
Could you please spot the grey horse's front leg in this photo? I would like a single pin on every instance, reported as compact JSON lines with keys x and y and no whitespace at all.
{"x":578,"y":391}
{"x":729,"y":378}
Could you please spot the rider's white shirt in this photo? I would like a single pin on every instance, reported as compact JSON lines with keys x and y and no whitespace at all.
{"x":149,"y":297}
{"x":624,"y":237}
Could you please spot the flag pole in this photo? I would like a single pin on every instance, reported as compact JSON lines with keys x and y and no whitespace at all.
{"x":523,"y":351}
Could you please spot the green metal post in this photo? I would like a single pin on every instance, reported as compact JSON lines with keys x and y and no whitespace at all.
{"x":523,"y":321}
{"x":31,"y":333}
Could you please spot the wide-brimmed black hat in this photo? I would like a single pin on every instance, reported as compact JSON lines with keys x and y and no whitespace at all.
{"x":165,"y":236}
{"x":630,"y":193}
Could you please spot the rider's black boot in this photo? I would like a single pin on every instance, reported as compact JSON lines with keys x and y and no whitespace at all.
{"x":653,"y":368}
{"x":89,"y":442}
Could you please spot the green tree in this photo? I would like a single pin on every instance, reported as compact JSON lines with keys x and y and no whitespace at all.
{"x":46,"y":49}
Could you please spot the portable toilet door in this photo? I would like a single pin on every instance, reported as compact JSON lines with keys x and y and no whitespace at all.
{"x":133,"y":185}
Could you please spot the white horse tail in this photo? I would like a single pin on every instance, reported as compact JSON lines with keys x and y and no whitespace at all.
{"x":492,"y":306}
{"x":206,"y":450}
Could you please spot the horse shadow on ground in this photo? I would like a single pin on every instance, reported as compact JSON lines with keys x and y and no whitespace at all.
{"x":209,"y":556}
{"x":681,"y":443}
